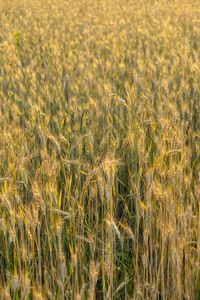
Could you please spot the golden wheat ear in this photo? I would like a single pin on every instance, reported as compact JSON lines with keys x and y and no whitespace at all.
{"x":66,"y":86}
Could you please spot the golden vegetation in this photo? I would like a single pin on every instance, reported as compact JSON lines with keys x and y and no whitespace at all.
{"x":99,"y":149}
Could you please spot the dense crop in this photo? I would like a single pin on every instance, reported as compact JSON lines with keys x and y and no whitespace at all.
{"x":100,"y":149}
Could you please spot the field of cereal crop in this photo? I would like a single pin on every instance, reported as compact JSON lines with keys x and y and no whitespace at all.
{"x":100,"y":149}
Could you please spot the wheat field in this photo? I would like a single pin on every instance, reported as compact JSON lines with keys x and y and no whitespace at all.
{"x":100,"y":149}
